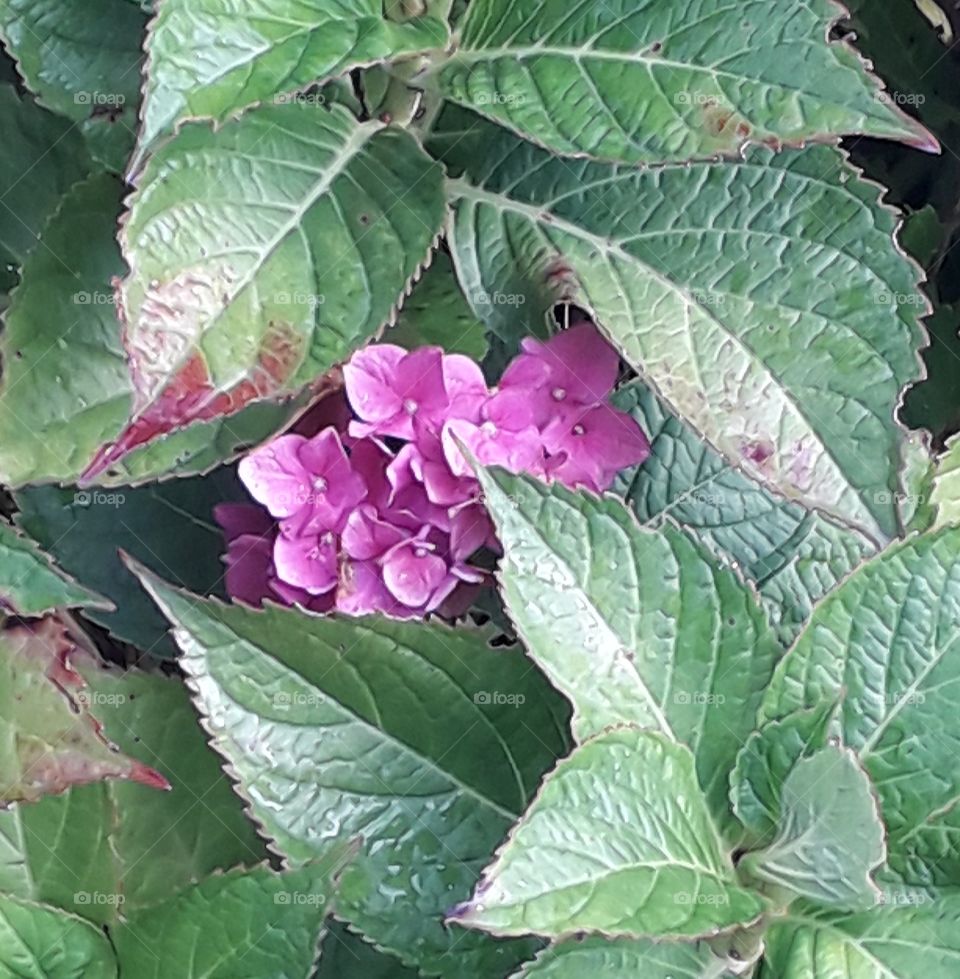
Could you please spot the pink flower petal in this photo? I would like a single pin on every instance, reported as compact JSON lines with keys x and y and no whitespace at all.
{"x":276,"y":477}
{"x":309,"y":563}
{"x":413,"y":573}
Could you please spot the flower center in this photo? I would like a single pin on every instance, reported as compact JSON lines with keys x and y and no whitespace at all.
{"x":320,"y":484}
{"x":410,"y":406}
{"x":559,"y":394}
{"x":578,"y":429}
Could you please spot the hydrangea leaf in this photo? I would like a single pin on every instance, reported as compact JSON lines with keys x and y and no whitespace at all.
{"x":794,"y":556}
{"x":164,"y":842}
{"x":62,"y":323}
{"x":874,"y":644}
{"x":437,"y":314}
{"x":648,"y":83}
{"x":829,"y":837}
{"x":232,"y":299}
{"x":31,"y":584}
{"x":755,"y":324}
{"x":58,"y":851}
{"x":169,"y":526}
{"x":767,"y":758}
{"x":345,"y":955}
{"x":98,"y":849}
{"x":245,"y":922}
{"x":920,"y":939}
{"x":73,"y":72}
{"x":50,"y":740}
{"x":42,"y":155}
{"x":39,"y":942}
{"x":575,"y":864}
{"x":419,"y":738}
{"x":623,"y":958}
{"x":945,"y":494}
{"x":212,"y":58}
{"x":633,"y":625}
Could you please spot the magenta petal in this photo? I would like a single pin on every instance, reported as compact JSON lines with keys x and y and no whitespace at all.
{"x":276,"y":477}
{"x":370,"y":460}
{"x":249,"y":561}
{"x":413,"y":573}
{"x":362,"y":591}
{"x":466,"y":387}
{"x":309,"y":563}
{"x":370,"y":381}
{"x":335,"y":489}
{"x":583,"y":362}
{"x":470,"y":529}
{"x":366,"y":536}
{"x":237,"y":519}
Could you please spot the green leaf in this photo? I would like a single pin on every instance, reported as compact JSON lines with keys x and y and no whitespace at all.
{"x":437,"y":314}
{"x":624,"y":958}
{"x":345,"y":955}
{"x":945,"y":494}
{"x":645,"y":83}
{"x":830,"y":838}
{"x":31,"y":584}
{"x":234,"y":298}
{"x":40,"y":157}
{"x":164,"y":842}
{"x":757,"y":325}
{"x":49,"y":739}
{"x":100,"y":848}
{"x":633,"y":625}
{"x":420,"y":738}
{"x":767,"y":758}
{"x":58,"y":851}
{"x":37,"y":942}
{"x":169,"y":526}
{"x":876,"y":645}
{"x":794,"y":556}
{"x":65,"y":388}
{"x":212,"y":58}
{"x":61,"y":54}
{"x":246,"y":922}
{"x":883,"y":943}
{"x":575,"y":863}
{"x":62,"y":323}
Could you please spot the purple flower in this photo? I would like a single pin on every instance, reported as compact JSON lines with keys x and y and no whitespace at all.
{"x":308,"y":562}
{"x":576,"y":366}
{"x":363,"y":525}
{"x":389,"y":387}
{"x":589,"y":446}
{"x":308,"y":483}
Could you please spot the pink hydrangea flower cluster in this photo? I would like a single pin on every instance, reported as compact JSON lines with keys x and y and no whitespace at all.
{"x":381,"y":512}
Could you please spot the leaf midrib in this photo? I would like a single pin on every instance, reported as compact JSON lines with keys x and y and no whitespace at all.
{"x":428,"y":763}
{"x":465,"y":190}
